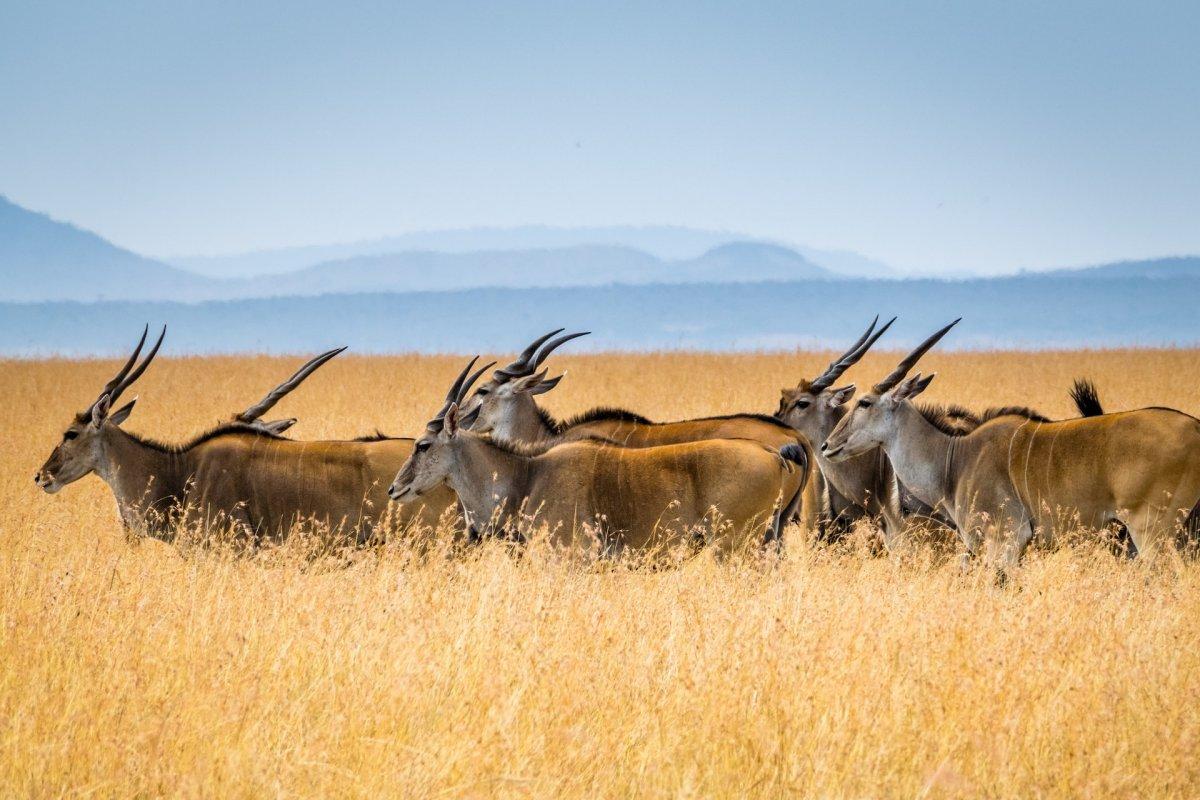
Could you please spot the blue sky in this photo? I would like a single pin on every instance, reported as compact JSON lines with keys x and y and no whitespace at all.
{"x":931,"y":135}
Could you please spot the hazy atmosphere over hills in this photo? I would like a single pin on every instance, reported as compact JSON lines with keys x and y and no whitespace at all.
{"x":669,"y":243}
{"x":1026,"y":312}
{"x":42,"y":259}
{"x":636,"y":287}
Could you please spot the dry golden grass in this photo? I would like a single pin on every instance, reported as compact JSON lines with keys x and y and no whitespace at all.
{"x":134,"y":670}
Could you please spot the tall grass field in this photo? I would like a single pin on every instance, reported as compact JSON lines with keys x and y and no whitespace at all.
{"x":134,"y":668}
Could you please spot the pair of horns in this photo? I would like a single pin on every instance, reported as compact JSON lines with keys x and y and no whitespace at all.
{"x":532,"y":357}
{"x":864,"y":343}
{"x":461,"y":386}
{"x":279,"y":392}
{"x":850,"y":357}
{"x":457,"y":392}
{"x":129,"y":372}
{"x":901,"y":370}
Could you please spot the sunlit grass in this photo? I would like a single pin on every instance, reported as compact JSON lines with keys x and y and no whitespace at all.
{"x":141,"y":669}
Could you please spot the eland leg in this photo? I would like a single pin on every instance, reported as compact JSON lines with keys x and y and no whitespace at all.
{"x":1151,"y":527}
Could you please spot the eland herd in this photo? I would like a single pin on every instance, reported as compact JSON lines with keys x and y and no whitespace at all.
{"x":609,"y":482}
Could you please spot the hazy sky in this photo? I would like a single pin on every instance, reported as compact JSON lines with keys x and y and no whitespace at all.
{"x":931,"y":135}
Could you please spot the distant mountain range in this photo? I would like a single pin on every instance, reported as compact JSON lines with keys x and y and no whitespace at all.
{"x":665,"y":242}
{"x":43,"y":259}
{"x":1022,"y":312}
{"x":693,"y":292}
{"x":1156,"y":268}
{"x":582,"y":265}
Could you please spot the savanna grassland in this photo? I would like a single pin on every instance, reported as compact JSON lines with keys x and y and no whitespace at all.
{"x":139,"y":669}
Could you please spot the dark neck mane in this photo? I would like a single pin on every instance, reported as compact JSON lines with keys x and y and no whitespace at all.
{"x":1013,"y":411}
{"x":226,"y":429}
{"x":955,"y":420}
{"x":377,"y":436}
{"x":552,"y":426}
{"x":608,"y":414}
{"x":599,"y":414}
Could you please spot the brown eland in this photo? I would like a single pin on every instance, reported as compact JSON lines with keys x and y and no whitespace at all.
{"x":595,"y":496}
{"x":866,"y":485}
{"x":238,"y":474}
{"x":504,"y":407}
{"x":1013,"y":479}
{"x":858,"y":487}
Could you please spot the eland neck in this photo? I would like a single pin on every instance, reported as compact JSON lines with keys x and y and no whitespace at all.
{"x":489,"y":480}
{"x":922,"y":456}
{"x":858,"y":479}
{"x":527,"y":423}
{"x":147,"y":481}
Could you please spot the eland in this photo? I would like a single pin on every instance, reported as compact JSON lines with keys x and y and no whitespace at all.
{"x":1014,"y":478}
{"x":593,"y":491}
{"x":241,"y":473}
{"x":505,"y":407}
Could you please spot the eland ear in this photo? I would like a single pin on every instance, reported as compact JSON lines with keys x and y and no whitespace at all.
{"x":278,"y":426}
{"x":100,"y":410}
{"x":913,"y":386}
{"x":841,"y":395}
{"x":547,"y":385}
{"x":450,"y":421}
{"x":530,"y":383}
{"x":122,"y":413}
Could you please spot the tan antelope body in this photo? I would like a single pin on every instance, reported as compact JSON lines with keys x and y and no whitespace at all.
{"x":240,"y":473}
{"x":261,"y":483}
{"x":504,"y":407}
{"x":1012,"y":478}
{"x":862,"y":486}
{"x":590,"y":491}
{"x":621,"y":428}
{"x":865,"y":485}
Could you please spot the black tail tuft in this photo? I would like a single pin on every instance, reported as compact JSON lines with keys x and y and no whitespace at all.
{"x":795,"y":454}
{"x":1087,"y":400}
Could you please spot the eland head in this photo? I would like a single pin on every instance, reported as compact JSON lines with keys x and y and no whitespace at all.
{"x":872,"y":419}
{"x":81,"y":450}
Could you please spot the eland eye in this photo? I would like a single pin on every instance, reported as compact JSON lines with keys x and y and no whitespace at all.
{"x":864,"y":403}
{"x":69,"y":435}
{"x":803,"y":403}
{"x":422,"y":447}
{"x":482,"y":392}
